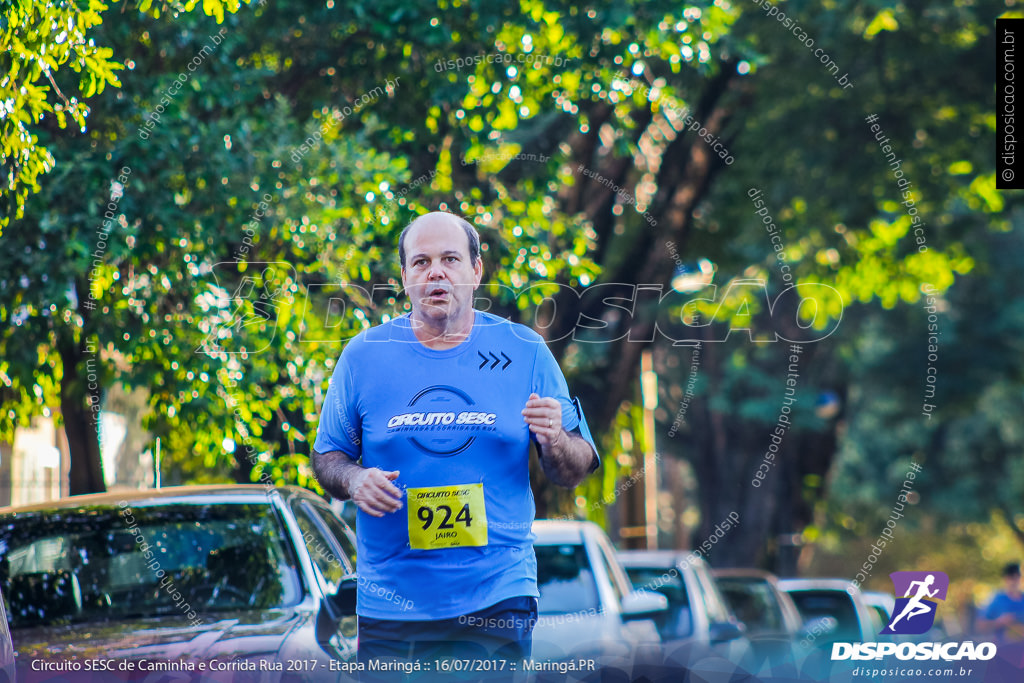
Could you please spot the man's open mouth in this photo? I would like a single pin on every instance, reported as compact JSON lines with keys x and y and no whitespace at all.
{"x":437,"y":293}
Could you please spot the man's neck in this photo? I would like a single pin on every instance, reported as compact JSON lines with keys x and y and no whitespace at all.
{"x":439,"y":335}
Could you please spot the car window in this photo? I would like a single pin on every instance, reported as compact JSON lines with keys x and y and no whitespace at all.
{"x":612,"y":571}
{"x":340,"y":530}
{"x":565,"y":580}
{"x":679,"y":623}
{"x":323,"y":551}
{"x":99,"y":563}
{"x":660,"y":580}
{"x":753,"y":603}
{"x":829,"y":603}
{"x":717,"y":609}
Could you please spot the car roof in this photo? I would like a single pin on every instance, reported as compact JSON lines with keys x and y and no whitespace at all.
{"x":661,"y":559}
{"x":744,"y":573}
{"x":211,"y":492}
{"x":818,"y":584}
{"x":552,"y":531}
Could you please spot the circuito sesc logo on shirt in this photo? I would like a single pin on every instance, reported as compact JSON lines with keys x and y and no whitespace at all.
{"x":442,"y":421}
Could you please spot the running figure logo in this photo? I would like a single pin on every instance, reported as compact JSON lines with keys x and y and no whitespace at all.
{"x":915,"y":611}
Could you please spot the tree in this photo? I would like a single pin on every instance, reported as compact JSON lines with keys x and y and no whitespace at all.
{"x":579,"y":168}
{"x":964,"y":435}
{"x":829,"y":192}
{"x":107,"y":278}
{"x":205,"y":184}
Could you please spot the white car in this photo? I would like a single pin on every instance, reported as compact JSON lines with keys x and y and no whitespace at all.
{"x":700,"y":628}
{"x":587,"y":606}
{"x":881,"y":606}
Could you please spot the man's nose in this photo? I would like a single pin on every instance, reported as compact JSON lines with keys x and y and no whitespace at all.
{"x":435,"y":272}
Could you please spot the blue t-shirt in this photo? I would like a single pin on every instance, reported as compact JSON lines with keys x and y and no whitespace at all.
{"x":451,"y":423}
{"x":1003,"y":604}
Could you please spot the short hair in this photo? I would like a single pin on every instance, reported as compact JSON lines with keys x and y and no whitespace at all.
{"x":1012,"y":569}
{"x":471,"y":235}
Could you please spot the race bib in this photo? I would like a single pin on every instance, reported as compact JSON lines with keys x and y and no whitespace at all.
{"x":447,"y":517}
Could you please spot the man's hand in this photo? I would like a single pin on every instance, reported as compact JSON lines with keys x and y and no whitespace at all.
{"x":370,"y":489}
{"x":373,"y":492}
{"x":566,"y":458}
{"x":544,"y":416}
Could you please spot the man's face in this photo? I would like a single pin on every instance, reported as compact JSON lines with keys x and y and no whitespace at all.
{"x":1012,"y":582}
{"x":438,"y":274}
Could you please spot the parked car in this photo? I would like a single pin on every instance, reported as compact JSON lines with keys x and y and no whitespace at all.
{"x":244,"y":577}
{"x":774,"y":625}
{"x":881,"y":606}
{"x":587,"y":606}
{"x":6,"y":647}
{"x":833,"y":610}
{"x":699,"y":622}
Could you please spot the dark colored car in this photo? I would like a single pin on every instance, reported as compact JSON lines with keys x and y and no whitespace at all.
{"x":833,"y":610}
{"x":757,"y":601}
{"x":217,"y":581}
{"x":6,"y":648}
{"x":774,"y":625}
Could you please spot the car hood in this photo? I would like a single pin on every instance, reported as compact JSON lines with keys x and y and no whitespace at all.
{"x":564,"y":636}
{"x":225,"y":636}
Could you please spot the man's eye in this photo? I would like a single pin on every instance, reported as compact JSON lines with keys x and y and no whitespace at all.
{"x":452,"y":258}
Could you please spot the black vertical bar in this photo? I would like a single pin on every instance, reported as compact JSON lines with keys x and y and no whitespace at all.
{"x":1009,"y":154}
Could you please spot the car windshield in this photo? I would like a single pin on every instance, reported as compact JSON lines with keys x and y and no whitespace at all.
{"x":753,"y":603}
{"x":565,"y":580}
{"x":839,"y":605}
{"x":95,"y":563}
{"x":678,"y":622}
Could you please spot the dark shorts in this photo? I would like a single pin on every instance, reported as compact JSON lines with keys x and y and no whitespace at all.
{"x":501,"y":631}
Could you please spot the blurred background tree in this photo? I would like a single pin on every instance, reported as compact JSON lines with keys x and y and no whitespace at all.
{"x":531,"y":149}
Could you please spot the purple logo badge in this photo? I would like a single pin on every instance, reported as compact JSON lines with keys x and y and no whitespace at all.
{"x":916,"y":594}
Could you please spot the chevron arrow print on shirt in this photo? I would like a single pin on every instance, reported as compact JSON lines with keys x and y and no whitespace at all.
{"x":493,"y":360}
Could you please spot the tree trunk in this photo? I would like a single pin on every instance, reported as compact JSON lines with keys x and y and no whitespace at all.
{"x":79,"y":406}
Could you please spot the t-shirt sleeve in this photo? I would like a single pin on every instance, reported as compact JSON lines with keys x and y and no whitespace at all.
{"x":548,"y":381}
{"x":340,"y":427}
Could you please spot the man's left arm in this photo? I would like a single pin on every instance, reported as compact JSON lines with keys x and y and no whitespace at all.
{"x":567,"y":458}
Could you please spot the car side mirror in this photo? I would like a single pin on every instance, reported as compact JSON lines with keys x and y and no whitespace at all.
{"x":724,"y":631}
{"x":643,"y":604}
{"x":342,"y":603}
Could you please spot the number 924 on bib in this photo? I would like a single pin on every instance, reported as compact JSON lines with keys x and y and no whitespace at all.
{"x":447,"y":517}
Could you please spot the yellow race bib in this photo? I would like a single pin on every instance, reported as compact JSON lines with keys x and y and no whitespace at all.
{"x":447,"y":517}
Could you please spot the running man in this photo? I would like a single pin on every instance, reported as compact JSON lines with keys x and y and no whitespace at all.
{"x":432,"y":444}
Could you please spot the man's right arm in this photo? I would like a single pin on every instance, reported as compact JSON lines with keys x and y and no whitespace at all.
{"x":369,"y":488}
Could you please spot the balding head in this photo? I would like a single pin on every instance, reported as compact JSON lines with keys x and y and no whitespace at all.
{"x":434,"y":218}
